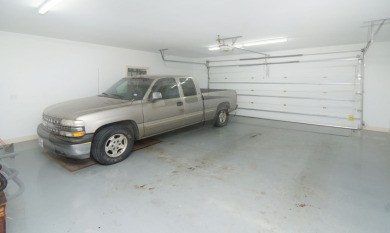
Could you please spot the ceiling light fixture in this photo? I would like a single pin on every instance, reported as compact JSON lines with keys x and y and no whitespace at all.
{"x":47,"y":6}
{"x":225,"y":46}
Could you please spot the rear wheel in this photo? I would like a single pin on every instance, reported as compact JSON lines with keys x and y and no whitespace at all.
{"x":221,"y":118}
{"x":112,"y":144}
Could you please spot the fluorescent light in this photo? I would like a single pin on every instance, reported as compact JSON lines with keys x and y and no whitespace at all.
{"x":213,"y":48}
{"x":268,"y":41}
{"x":47,"y":6}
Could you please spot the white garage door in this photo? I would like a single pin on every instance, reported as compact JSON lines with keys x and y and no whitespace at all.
{"x":320,"y":89}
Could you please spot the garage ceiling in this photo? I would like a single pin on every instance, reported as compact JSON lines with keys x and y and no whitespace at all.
{"x":187,"y":28}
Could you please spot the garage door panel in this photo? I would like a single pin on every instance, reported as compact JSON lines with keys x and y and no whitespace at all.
{"x":286,"y":87}
{"x":285,"y":77}
{"x":321,"y":95}
{"x":325,"y":121}
{"x":334,"y":111}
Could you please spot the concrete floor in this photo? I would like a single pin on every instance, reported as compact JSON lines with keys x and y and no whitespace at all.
{"x":246,"y":177}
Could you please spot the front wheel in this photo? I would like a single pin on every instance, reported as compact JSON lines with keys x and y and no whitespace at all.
{"x":112,"y":144}
{"x":221,"y":118}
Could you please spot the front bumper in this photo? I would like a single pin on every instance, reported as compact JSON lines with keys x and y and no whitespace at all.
{"x":75,"y":148}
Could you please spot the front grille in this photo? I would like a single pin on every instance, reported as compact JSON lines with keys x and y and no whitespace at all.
{"x":53,"y":120}
{"x":53,"y":124}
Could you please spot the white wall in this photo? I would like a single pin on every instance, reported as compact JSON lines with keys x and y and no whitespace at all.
{"x":36,"y":72}
{"x":377,"y":87}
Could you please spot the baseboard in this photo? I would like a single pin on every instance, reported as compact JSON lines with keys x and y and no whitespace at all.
{"x":20,"y":139}
{"x":378,"y":129}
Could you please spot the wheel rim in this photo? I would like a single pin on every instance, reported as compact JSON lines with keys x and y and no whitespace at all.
{"x":222,"y":117}
{"x":116,"y":145}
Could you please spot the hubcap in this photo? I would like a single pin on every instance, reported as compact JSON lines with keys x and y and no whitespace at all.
{"x":222,"y":117}
{"x":116,"y":145}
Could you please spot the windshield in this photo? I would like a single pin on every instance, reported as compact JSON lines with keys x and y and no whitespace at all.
{"x":129,"y":89}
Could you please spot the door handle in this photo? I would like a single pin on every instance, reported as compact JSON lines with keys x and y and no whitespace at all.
{"x":179,"y":103}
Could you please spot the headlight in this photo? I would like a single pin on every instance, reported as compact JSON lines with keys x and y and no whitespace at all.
{"x":71,"y":128}
{"x":63,"y":127}
{"x":72,"y":123}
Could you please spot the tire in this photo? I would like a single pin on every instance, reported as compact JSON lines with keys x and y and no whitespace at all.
{"x":112,"y":144}
{"x":222,"y":118}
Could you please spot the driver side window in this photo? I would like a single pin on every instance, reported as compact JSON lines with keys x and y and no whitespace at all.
{"x":167,"y":87}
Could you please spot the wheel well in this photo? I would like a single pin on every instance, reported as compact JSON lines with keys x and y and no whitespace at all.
{"x":131,"y":124}
{"x":223,"y":105}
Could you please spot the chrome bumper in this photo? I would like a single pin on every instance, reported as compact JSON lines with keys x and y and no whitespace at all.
{"x":52,"y":143}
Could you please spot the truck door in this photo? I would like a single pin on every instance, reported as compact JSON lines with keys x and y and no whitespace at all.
{"x":164,"y":114}
{"x":193,"y":103}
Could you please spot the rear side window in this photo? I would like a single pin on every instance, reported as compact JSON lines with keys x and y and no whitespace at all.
{"x":188,"y":86}
{"x":167,"y":87}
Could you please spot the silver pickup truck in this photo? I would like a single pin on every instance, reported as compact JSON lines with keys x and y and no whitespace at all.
{"x":104,"y":127}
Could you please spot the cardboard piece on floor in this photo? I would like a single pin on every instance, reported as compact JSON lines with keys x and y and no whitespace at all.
{"x":3,"y":203}
{"x":73,"y":165}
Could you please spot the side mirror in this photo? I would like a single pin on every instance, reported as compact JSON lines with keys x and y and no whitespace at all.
{"x":156,"y":96}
